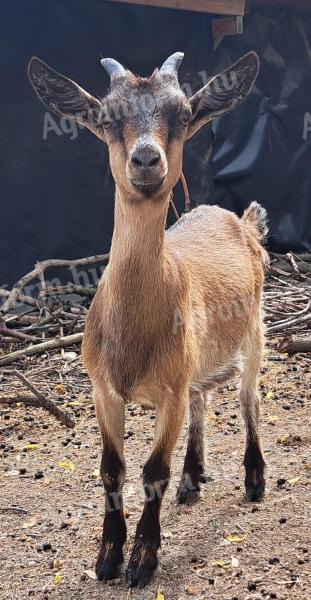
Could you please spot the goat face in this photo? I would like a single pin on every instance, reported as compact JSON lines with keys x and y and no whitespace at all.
{"x":145,"y":127}
{"x":145,"y":121}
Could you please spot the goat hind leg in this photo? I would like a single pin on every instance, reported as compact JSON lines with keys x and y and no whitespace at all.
{"x":189,"y":485}
{"x":249,"y":397}
{"x":111,"y":415}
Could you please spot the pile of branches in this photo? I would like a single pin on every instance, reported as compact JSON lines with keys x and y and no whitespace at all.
{"x":55,"y":318}
{"x":287,"y":301}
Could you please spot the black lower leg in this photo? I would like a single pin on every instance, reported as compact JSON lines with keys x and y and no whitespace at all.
{"x":189,"y":486}
{"x":114,"y":530}
{"x":254,"y":470}
{"x":143,"y":561}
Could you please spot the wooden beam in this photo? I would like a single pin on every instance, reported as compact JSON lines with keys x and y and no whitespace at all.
{"x":223,"y":26}
{"x":220,"y":7}
{"x":302,"y":4}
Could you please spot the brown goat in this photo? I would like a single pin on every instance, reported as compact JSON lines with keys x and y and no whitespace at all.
{"x":177,"y":312}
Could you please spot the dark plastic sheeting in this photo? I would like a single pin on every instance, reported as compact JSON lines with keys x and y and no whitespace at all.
{"x":57,"y":193}
{"x":263,"y":150}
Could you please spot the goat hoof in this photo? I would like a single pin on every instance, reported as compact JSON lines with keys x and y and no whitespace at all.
{"x":142,"y":565}
{"x":188,"y":495}
{"x":189,"y":489}
{"x":108,"y":565}
{"x":254,"y":493}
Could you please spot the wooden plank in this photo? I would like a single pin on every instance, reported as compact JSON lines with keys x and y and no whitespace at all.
{"x":220,"y":7}
{"x":223,"y":26}
{"x":304,"y":4}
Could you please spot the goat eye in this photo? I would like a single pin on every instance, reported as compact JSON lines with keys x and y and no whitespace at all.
{"x":185,"y":117}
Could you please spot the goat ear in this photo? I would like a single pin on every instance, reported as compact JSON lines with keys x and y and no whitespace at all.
{"x":223,"y":92}
{"x":64,"y":97}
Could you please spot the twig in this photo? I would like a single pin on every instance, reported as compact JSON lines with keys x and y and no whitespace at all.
{"x":37,"y":273}
{"x":284,"y":324}
{"x":6,"y":332}
{"x":53,"y":344}
{"x":24,"y":299}
{"x":38,"y":401}
{"x":14,"y":509}
{"x":290,"y":259}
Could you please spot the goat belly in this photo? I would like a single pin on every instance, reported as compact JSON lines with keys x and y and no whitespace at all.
{"x":219,"y":375}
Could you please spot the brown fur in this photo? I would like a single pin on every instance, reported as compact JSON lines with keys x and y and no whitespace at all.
{"x":177,"y":312}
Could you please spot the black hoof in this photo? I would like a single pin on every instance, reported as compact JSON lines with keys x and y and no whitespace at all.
{"x":108,"y":565}
{"x":188,"y":496}
{"x":188,"y":491}
{"x":255,"y":493}
{"x":142,"y":566}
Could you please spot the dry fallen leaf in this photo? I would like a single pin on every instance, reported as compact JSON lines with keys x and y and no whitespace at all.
{"x":57,"y":564}
{"x":293,"y":481}
{"x":34,"y":520}
{"x":57,"y":579}
{"x":167,"y":534}
{"x":272,"y":418}
{"x":64,"y":464}
{"x":282,"y":439}
{"x":70,"y":355}
{"x":269,"y":395}
{"x":191,"y":590}
{"x":218,"y":563}
{"x":12,"y":473}
{"x":236,"y":539}
{"x":90,"y":573}
{"x":159,"y":596}
{"x":74,"y":403}
{"x":59,"y":388}
{"x":96,"y":473}
{"x":234,"y":562}
{"x":31,"y":447}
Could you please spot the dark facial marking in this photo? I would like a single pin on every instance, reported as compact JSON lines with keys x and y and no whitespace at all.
{"x":145,"y":106}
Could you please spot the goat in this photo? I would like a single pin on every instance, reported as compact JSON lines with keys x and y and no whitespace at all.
{"x":177,"y":312}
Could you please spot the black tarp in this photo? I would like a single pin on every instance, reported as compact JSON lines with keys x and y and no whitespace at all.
{"x":56,"y":187}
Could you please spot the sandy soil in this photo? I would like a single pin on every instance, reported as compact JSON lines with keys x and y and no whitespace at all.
{"x":48,"y":546}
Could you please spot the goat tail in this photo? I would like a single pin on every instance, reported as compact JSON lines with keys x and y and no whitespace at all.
{"x":256,"y":217}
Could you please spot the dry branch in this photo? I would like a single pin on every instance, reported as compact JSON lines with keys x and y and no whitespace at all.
{"x":38,"y":272}
{"x":40,"y":402}
{"x":53,"y":344}
{"x":291,"y":264}
{"x":48,"y":405}
{"x":294,"y":345}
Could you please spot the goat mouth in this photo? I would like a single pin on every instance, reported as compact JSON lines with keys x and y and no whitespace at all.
{"x":148,"y":188}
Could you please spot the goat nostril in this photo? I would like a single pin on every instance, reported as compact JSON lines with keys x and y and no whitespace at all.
{"x":137,"y":161}
{"x":153,"y":160}
{"x":145,"y":158}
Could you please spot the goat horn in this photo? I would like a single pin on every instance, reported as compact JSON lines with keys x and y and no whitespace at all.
{"x":172,"y":63}
{"x":113,"y":68}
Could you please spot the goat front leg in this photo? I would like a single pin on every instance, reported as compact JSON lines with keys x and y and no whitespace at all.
{"x":110,"y":414}
{"x":156,"y":475}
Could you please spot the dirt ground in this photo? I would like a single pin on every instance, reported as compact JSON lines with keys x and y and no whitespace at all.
{"x":51,"y":496}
